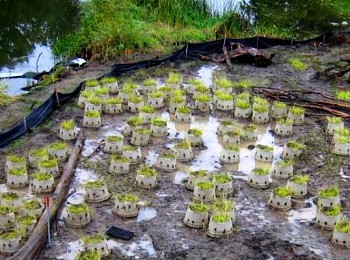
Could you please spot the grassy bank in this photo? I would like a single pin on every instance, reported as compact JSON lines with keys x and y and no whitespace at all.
{"x":112,"y":28}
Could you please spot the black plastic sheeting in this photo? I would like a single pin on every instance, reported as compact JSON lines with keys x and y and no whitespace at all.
{"x":189,"y":51}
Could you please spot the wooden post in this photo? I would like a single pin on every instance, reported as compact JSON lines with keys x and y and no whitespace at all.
{"x":25,"y":123}
{"x":186,"y":51}
{"x":36,"y":240}
{"x":57,"y":98}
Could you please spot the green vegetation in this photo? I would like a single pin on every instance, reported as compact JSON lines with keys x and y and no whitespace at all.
{"x":4,"y":98}
{"x":16,"y":159}
{"x":93,"y":239}
{"x":334,"y":120}
{"x":330,"y":192}
{"x":285,"y":121}
{"x":10,"y":234}
{"x":260,"y":101}
{"x":237,"y":132}
{"x":223,"y":205}
{"x":48,"y":163}
{"x":205,"y":185}
{"x":202,"y":89}
{"x":86,"y":93}
{"x":228,"y":123}
{"x":223,"y":83}
{"x":134,"y":121}
{"x":39,"y":153}
{"x":195,"y":131}
{"x":156,"y":94}
{"x":130,"y":85}
{"x":243,"y":84}
{"x":203,"y":98}
{"x":177,"y":99}
{"x":114,"y":101}
{"x":343,"y":225}
{"x":94,"y":184}
{"x":243,"y":96}
{"x":331,"y":211}
{"x":243,"y":104}
{"x":285,"y":163}
{"x":26,"y":220}
{"x":342,"y":132}
{"x":221,"y":217}
{"x":297,"y":110}
{"x":165,"y":89}
{"x":342,"y":95}
{"x":198,"y":207}
{"x":127,"y":90}
{"x":91,"y":83}
{"x":114,"y":138}
{"x":265,"y":148}
{"x":119,"y":158}
{"x":183,"y":144}
{"x":232,"y":147}
{"x":95,"y":100}
{"x":178,"y":92}
{"x":342,"y":139}
{"x":129,"y":148}
{"x":195,"y":81}
{"x":222,"y":178}
{"x":43,"y":176}
{"x":249,"y":128}
{"x":295,"y":145}
{"x":18,"y":172}
{"x":261,"y":171}
{"x":10,"y":196}
{"x":282,"y":191}
{"x":147,"y":171}
{"x":135,"y":99}
{"x":168,"y":155}
{"x":199,"y":174}
{"x":174,"y":78}
{"x":101,"y":91}
{"x":78,"y":208}
{"x":300,"y":179}
{"x":149,"y":83}
{"x":4,"y":210}
{"x":32,"y":204}
{"x":261,"y":108}
{"x":58,"y":146}
{"x":279,"y":105}
{"x":223,"y":95}
{"x":68,"y":125}
{"x":297,"y":64}
{"x":92,"y":114}
{"x":159,"y":122}
{"x":184,"y":110}
{"x":147,"y":109}
{"x":127,"y":198}
{"x":142,"y":130}
{"x":89,"y":255}
{"x":108,"y":80}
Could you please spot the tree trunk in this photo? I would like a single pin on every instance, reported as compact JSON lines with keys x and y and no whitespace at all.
{"x":37,"y":239}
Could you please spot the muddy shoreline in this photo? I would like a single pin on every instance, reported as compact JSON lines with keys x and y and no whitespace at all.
{"x":260,"y":232}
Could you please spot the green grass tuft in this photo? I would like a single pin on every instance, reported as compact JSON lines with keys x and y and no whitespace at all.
{"x":261,"y":171}
{"x":16,"y":159}
{"x":32,"y":204}
{"x":297,"y":64}
{"x":265,"y":148}
{"x":18,"y":172}
{"x":282,"y":191}
{"x":127,"y":198}
{"x":205,"y":185}
{"x":114,"y":138}
{"x":295,"y":145}
{"x":78,"y":208}
{"x":334,"y":120}
{"x":9,"y":196}
{"x":4,"y":210}
{"x":221,"y":217}
{"x":222,"y":178}
{"x":92,"y":114}
{"x":343,"y":225}
{"x":119,"y":158}
{"x":243,"y":104}
{"x":300,"y":179}
{"x":330,"y":192}
{"x":184,"y":110}
{"x":149,"y":83}
{"x":58,"y":146}
{"x":43,"y":176}
{"x":342,"y":95}
{"x":93,"y":239}
{"x":94,"y":184}
{"x":195,"y":131}
{"x":297,"y":110}
{"x":147,"y":171}
{"x":199,"y":207}
{"x":159,"y":122}
{"x":48,"y":163}
{"x":331,"y":211}
{"x":134,"y":121}
{"x":183,"y":144}
{"x":199,"y":173}
{"x":203,"y":98}
{"x":68,"y":124}
{"x":91,"y":83}
{"x":108,"y":80}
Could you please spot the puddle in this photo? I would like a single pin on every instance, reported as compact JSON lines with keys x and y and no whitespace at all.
{"x":205,"y":74}
{"x":179,"y":177}
{"x":146,"y":213}
{"x":89,"y":147}
{"x":72,"y":249}
{"x":83,"y":175}
{"x":305,"y":214}
{"x":143,"y":245}
{"x":151,"y":157}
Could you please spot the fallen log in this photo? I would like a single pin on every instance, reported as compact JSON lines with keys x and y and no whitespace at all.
{"x":36,"y":240}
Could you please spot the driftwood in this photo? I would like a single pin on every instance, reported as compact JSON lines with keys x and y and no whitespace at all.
{"x":227,"y":57}
{"x":37,"y":239}
{"x":302,"y":98}
{"x":240,"y":54}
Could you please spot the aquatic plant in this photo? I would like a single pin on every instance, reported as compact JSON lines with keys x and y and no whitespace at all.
{"x":68,"y":124}
{"x":48,"y":163}
{"x":295,"y":145}
{"x":300,"y":179}
{"x":343,"y":225}
{"x":329,"y":192}
{"x":17,"y":172}
{"x":134,"y":121}
{"x":32,"y":204}
{"x":221,"y":217}
{"x":183,"y":144}
{"x":261,"y":171}
{"x":147,"y":109}
{"x":222,"y":178}
{"x":297,"y":110}
{"x":156,"y":94}
{"x":159,"y":122}
{"x":149,"y":82}
{"x":203,"y":98}
{"x":78,"y":208}
{"x":195,"y":131}
{"x":334,"y":120}
{"x":223,"y":96}
{"x":135,"y":99}
{"x":58,"y":146}
{"x":282,"y":191}
{"x":114,"y":101}
{"x":174,"y":78}
{"x":205,"y":185}
{"x":108,"y":80}
{"x":198,"y":207}
{"x":297,"y":64}
{"x":184,"y":110}
{"x":243,"y":104}
{"x":223,"y":82}
{"x":127,"y":198}
{"x":285,"y":121}
{"x":243,"y":84}
{"x":331,"y":211}
{"x":92,"y":114}
{"x":114,"y":138}
{"x":119,"y":158}
{"x":43,"y":176}
{"x":101,"y":91}
{"x":94,"y":184}
{"x":95,"y":100}
{"x":147,"y":171}
{"x":91,"y":83}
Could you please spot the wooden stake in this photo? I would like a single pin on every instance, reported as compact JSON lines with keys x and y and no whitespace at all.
{"x":57,"y":98}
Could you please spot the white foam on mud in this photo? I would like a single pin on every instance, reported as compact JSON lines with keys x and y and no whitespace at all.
{"x":151,"y":157}
{"x":146,"y":213}
{"x":303,"y":214}
{"x":179,"y":177}
{"x":341,"y":173}
{"x":205,"y":74}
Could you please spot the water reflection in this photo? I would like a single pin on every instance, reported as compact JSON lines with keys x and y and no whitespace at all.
{"x":25,"y":24}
